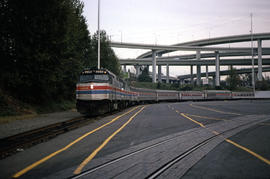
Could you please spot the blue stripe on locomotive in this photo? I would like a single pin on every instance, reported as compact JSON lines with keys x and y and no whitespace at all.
{"x":101,"y":92}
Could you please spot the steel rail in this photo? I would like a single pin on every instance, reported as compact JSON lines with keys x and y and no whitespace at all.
{"x":167,"y":165}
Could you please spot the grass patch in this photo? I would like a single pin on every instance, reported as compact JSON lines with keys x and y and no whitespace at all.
{"x":10,"y":106}
{"x":150,"y":85}
{"x":7,"y":119}
{"x":56,"y":106}
{"x":166,"y":86}
{"x":147,"y":85}
{"x":12,"y":109}
{"x":243,"y":89}
{"x":11,"y":114}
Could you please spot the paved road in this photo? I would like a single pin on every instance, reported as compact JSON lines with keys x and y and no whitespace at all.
{"x":217,"y":139}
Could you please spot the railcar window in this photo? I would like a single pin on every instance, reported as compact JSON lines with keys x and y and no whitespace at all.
{"x":87,"y":78}
{"x":102,"y":77}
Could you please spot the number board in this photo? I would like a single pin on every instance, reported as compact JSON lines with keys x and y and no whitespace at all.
{"x":94,"y":72}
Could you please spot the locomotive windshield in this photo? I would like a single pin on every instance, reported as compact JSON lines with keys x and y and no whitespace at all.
{"x":93,"y":77}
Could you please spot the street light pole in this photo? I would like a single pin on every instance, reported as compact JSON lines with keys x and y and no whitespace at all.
{"x":98,"y":35}
{"x":121,"y":36}
{"x":252,"y":55}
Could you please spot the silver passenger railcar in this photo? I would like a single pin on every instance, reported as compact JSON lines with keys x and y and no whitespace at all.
{"x":99,"y":91}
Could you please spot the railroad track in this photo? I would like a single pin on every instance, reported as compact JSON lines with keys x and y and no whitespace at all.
{"x":156,"y":173}
{"x":19,"y":142}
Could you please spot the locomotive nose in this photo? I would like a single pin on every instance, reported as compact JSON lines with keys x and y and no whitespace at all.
{"x":84,"y":86}
{"x":83,"y":90}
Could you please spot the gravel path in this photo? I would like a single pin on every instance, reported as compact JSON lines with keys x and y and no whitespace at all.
{"x":19,"y":126}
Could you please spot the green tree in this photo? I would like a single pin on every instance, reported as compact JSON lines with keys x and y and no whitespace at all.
{"x":233,"y":80}
{"x":246,"y":79}
{"x":144,"y":77}
{"x":44,"y":45}
{"x":263,"y":85}
{"x":108,"y":58}
{"x":79,"y":50}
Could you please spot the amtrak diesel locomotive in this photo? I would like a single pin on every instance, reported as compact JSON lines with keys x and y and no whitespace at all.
{"x":100,"y":91}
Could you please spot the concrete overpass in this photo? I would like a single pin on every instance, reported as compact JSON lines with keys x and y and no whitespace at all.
{"x":180,"y":48}
{"x":158,"y":50}
{"x":225,"y":72}
{"x":215,"y":41}
{"x":205,"y":55}
{"x":176,"y":62}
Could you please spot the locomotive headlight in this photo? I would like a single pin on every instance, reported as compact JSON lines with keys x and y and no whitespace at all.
{"x":91,"y":86}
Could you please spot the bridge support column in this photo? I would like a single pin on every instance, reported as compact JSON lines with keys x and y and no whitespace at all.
{"x":137,"y":67}
{"x":159,"y":73}
{"x":214,"y":81}
{"x":125,"y":68}
{"x":198,"y":57}
{"x":259,"y":60}
{"x":167,"y":74}
{"x":217,"y":80}
{"x":206,"y":74}
{"x":154,"y":62}
{"x":147,"y":67}
{"x":128,"y":73}
{"x":191,"y":75}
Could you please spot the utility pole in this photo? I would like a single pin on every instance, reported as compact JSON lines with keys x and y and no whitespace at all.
{"x":121,"y":35}
{"x":98,"y":35}
{"x":252,"y":55}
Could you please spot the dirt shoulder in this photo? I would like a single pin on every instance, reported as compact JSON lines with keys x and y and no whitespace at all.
{"x":13,"y":125}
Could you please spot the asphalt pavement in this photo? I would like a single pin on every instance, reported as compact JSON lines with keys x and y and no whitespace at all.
{"x":215,"y":139}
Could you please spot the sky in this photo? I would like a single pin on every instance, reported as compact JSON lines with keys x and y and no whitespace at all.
{"x":167,"y":22}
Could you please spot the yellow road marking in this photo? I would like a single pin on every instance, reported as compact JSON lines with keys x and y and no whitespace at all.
{"x":205,"y":117}
{"x":193,"y":120}
{"x":30,"y":167}
{"x":233,"y":143}
{"x":215,"y":132}
{"x":215,"y":110}
{"x":249,"y":151}
{"x":93,"y":154}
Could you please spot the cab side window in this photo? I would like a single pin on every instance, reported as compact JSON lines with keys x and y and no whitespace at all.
{"x":111,"y":80}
